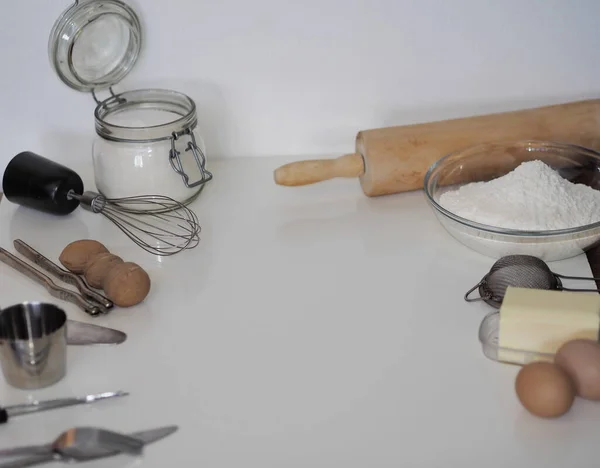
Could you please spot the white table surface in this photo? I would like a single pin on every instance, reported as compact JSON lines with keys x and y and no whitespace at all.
{"x":312,"y":327}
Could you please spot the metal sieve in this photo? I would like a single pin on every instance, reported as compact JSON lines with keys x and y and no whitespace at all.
{"x":521,"y":271}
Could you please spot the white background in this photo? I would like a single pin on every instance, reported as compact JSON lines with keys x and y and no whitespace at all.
{"x":272,"y":77}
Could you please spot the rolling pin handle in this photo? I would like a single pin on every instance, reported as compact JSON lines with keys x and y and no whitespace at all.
{"x":317,"y":170}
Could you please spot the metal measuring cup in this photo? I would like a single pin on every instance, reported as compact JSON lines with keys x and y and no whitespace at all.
{"x":33,"y":344}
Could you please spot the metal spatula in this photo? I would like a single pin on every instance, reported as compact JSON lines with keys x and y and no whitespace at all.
{"x":86,"y":445}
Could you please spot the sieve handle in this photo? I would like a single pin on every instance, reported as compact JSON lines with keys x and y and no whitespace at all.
{"x":577,"y":278}
{"x":579,"y":290}
{"x":591,"y":278}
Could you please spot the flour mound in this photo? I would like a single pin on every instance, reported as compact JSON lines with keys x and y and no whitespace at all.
{"x":531,"y":197}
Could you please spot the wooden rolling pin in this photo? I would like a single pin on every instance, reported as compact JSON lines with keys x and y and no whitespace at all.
{"x":395,"y":159}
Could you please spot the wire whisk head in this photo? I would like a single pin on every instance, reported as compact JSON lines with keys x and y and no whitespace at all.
{"x":158,"y":224}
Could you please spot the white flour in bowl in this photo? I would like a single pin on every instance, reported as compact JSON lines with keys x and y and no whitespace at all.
{"x":532,"y":197}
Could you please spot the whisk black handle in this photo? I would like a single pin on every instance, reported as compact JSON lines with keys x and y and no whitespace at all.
{"x":36,"y":182}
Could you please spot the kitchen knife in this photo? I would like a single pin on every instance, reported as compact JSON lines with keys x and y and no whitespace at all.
{"x":36,"y":406}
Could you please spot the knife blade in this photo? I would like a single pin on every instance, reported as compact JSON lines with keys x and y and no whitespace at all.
{"x":154,"y":435}
{"x":36,"y":406}
{"x":81,"y":333}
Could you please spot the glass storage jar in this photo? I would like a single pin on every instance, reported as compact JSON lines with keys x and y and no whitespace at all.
{"x":144,"y":143}
{"x":147,"y":140}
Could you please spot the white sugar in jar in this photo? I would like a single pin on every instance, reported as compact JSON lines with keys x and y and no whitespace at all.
{"x":147,"y":143}
{"x":147,"y":140}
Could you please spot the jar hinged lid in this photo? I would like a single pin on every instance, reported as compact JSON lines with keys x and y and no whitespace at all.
{"x":94,"y":44}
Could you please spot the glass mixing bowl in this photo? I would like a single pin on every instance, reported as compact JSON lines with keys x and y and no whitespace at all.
{"x":488,"y":161}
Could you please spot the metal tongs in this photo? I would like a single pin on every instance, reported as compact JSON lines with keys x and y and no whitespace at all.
{"x":90,"y":301}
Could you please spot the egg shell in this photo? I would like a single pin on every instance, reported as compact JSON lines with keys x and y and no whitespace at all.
{"x":98,"y":267}
{"x":77,"y":254}
{"x":580,"y":359}
{"x":127,"y":284}
{"x":545,"y":389}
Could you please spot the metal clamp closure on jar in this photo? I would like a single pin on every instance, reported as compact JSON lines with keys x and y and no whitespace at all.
{"x":175,"y":159}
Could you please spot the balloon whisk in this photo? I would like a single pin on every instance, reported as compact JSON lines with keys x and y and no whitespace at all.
{"x":157,"y":224}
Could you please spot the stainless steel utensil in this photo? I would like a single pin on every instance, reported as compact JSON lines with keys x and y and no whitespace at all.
{"x":78,"y":442}
{"x":521,"y":271}
{"x":41,"y":454}
{"x":16,"y":263}
{"x":33,"y":344}
{"x":85,"y":334}
{"x":160,"y":225}
{"x":9,"y":412}
{"x":64,"y":275}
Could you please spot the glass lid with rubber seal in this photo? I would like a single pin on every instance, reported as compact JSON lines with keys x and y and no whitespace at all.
{"x":94,"y":44}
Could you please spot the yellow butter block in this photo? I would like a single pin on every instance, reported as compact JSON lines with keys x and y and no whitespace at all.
{"x":540,"y":321}
{"x":522,"y":357}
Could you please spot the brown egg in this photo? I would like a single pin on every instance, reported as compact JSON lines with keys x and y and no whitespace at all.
{"x":127,"y":284}
{"x":580,"y":359}
{"x":76,"y":255}
{"x":544,"y":389}
{"x":98,"y":267}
